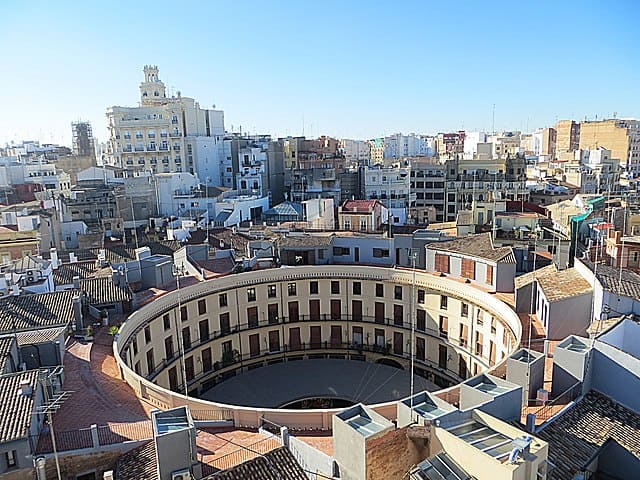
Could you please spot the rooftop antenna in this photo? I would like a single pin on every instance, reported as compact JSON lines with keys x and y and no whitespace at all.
{"x":493,"y":120}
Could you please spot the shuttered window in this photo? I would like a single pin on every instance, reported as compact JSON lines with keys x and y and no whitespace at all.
{"x":489,"y":279}
{"x":442,"y":263}
{"x":468,"y":269}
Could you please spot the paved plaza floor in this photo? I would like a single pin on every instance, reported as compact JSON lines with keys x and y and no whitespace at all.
{"x":276,"y":385}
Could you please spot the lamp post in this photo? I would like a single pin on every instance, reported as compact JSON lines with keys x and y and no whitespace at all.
{"x":177,"y":271}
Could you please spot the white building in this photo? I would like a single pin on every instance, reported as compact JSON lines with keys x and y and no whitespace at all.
{"x":165,"y":134}
{"x":356,"y":152}
{"x":392,"y":186}
{"x":471,"y":141}
{"x":412,"y":145}
{"x":172,"y":189}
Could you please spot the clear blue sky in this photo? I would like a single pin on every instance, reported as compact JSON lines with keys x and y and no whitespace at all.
{"x":349,"y":68}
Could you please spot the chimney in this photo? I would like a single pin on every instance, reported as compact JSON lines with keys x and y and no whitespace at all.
{"x":55,"y":262}
{"x":25,"y":388}
{"x":72,"y":257}
{"x":76,"y":282}
{"x":15,"y":289}
{"x":77,"y":313}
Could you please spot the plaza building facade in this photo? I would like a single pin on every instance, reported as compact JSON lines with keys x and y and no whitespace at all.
{"x":207,"y":333}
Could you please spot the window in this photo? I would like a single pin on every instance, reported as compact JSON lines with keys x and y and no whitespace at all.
{"x":380,"y":252}
{"x":397,"y":292}
{"x":222,"y":300}
{"x":398,"y":343}
{"x":357,"y":288}
{"x":186,"y":338}
{"x":420,"y":349}
{"x":357,"y":335}
{"x":421,"y":320}
{"x":207,"y":364}
{"x":444,"y":301}
{"x":168,"y":348}
{"x":421,"y":296}
{"x":464,"y":309}
{"x":150,"y":363}
{"x":479,"y":319}
{"x":379,"y":312}
{"x":183,"y":314}
{"x":254,"y":345}
{"x":147,"y":334}
{"x":203,"y":327}
{"x":251,"y":294}
{"x":379,"y":290}
{"x":202,"y":307}
{"x":444,"y":326}
{"x":291,"y":289}
{"x":225,"y":324}
{"x":442,"y":263}
{"x":479,"y":342}
{"x":11,"y":458}
{"x":442,"y":356}
{"x":335,"y":287}
{"x":252,"y":317}
{"x":341,"y":251}
{"x":489,"y":279}
{"x":464,"y":335}
{"x":271,"y":291}
{"x":468,"y":269}
{"x":166,"y":323}
{"x":134,"y":345}
{"x":189,"y":371}
{"x":313,"y":288}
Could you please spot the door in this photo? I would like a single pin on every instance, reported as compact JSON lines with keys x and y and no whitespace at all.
{"x":254,"y":345}
{"x":356,"y":310}
{"x":442,"y":356}
{"x":420,"y":349}
{"x":188,"y":368}
{"x":379,"y":334}
{"x":252,"y":317}
{"x":357,"y":335}
{"x":397,"y":343}
{"x":336,"y":335}
{"x":379,"y":310}
{"x":398,"y":318}
{"x":314,"y":309}
{"x":315,"y":334}
{"x":462,"y":367}
{"x":294,"y":339}
{"x":335,"y":309}
{"x":356,"y":254}
{"x":274,"y":341}
{"x":173,"y":379}
{"x":293,"y":312}
{"x":272,"y":313}
{"x":206,"y":360}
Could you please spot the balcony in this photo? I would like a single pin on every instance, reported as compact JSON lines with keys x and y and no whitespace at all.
{"x":176,"y":148}
{"x":139,"y":148}
{"x":151,"y":147}
{"x":127,"y":149}
{"x":164,"y":148}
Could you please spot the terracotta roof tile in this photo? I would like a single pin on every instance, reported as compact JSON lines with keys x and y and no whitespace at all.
{"x":35,"y":311}
{"x":16,"y":409}
{"x":479,"y":246}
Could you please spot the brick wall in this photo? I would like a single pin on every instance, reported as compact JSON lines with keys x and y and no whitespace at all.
{"x":391,"y":456}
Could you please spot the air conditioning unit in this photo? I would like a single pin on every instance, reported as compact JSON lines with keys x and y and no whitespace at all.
{"x":181,"y":475}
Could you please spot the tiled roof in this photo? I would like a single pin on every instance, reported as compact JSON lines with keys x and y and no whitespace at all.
{"x":138,"y":464}
{"x":479,"y":246}
{"x":359,"y":206}
{"x":30,"y":262}
{"x":226,"y":238}
{"x":44,"y":335}
{"x":64,"y":274}
{"x":563,"y":284}
{"x":626,"y":285}
{"x":577,"y":434}
{"x":5,"y":351}
{"x":216,"y":266}
{"x":102,"y":290}
{"x":30,"y":312}
{"x":278,"y":464}
{"x":16,"y":409}
{"x":305,"y":241}
{"x":527,"y":278}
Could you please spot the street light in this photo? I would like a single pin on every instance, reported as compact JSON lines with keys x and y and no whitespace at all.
{"x":177,"y":271}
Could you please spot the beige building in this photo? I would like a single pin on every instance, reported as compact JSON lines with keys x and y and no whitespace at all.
{"x":567,"y":136}
{"x":362,"y":215}
{"x":164,"y":134}
{"x":622,"y":137}
{"x":549,"y":142}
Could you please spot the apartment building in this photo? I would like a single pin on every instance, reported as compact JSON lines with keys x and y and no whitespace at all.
{"x":412,"y":145}
{"x":428,"y":182}
{"x":392,"y":186}
{"x":567,"y":136}
{"x":621,"y":137}
{"x":356,"y":152}
{"x":164,"y":134}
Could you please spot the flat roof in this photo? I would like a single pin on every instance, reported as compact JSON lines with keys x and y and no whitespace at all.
{"x":364,"y":425}
{"x":171,"y":420}
{"x":484,"y":438}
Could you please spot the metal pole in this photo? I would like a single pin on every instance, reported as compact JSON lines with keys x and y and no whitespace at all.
{"x":51,"y":432}
{"x":179,"y":331}
{"x":412,"y":335}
